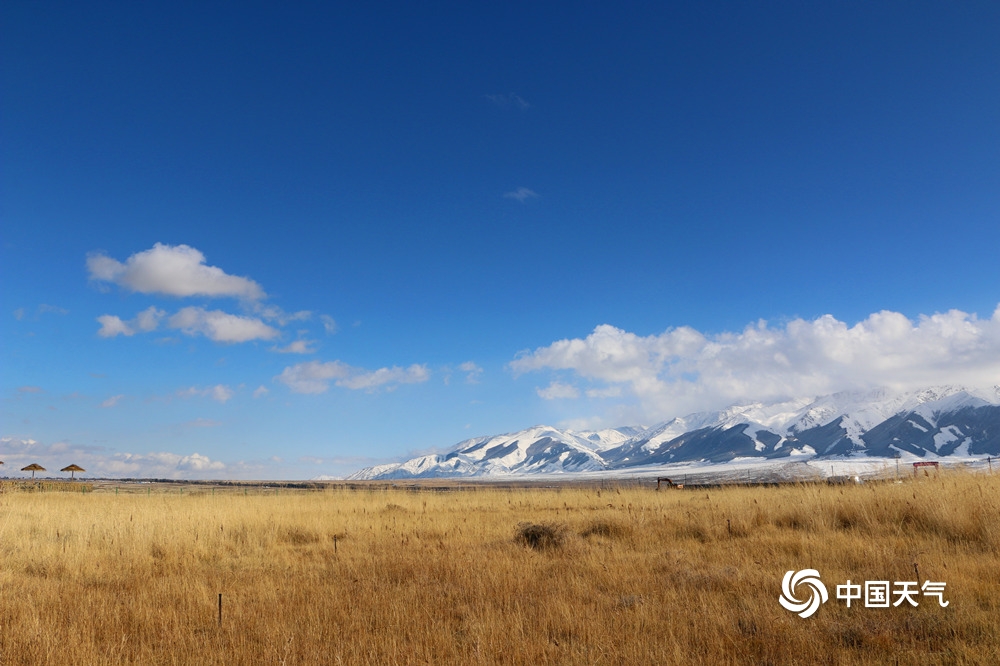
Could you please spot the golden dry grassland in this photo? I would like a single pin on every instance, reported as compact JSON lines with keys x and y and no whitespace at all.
{"x":489,"y":575}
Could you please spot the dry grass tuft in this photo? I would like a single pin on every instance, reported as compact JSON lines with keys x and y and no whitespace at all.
{"x":540,"y":537}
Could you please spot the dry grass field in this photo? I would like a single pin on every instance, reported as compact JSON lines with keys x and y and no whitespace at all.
{"x":574,"y":575}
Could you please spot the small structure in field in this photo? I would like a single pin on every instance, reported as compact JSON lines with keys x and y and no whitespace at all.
{"x":918,"y":465}
{"x":33,"y":467}
{"x":72,"y":469}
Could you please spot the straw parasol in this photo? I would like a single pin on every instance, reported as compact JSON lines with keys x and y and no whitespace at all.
{"x":72,"y":469}
{"x":33,"y":467}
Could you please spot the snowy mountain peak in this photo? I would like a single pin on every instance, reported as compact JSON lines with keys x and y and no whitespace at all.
{"x":935,"y":421}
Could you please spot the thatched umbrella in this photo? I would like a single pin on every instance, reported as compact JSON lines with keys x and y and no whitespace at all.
{"x":33,"y":467}
{"x":72,"y":469}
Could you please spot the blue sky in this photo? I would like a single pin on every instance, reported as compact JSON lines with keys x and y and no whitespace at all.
{"x":243,"y":240}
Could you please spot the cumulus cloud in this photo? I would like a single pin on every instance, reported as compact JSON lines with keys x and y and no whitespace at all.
{"x":390,"y":377}
{"x":213,"y":324}
{"x":148,"y":320}
{"x":219,"y":393}
{"x":297,"y":347}
{"x":472,"y":371}
{"x":156,"y":464}
{"x":279,"y":316}
{"x":683,"y":370}
{"x":113,"y":326}
{"x":19,"y":451}
{"x":329,"y":324}
{"x":315,"y":377}
{"x":557,"y":390}
{"x":199,"y":463}
{"x":17,"y":445}
{"x":260,"y":391}
{"x":521,"y":194}
{"x":172,"y":270}
{"x":220,"y":326}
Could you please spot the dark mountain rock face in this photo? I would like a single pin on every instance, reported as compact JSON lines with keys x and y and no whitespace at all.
{"x":826,"y":440}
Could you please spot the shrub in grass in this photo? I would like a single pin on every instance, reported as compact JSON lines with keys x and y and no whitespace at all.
{"x":540,"y":536}
{"x":605,"y":528}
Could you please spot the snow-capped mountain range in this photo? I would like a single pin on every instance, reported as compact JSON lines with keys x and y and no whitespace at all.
{"x":933,"y":423}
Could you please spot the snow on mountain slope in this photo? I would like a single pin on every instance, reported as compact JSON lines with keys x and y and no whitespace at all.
{"x":937,"y":421}
{"x":866,"y":409}
{"x":540,"y":449}
{"x":611,"y":437}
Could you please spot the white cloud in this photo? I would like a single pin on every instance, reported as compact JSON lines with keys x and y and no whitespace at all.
{"x":148,"y":320}
{"x":329,"y":325}
{"x":393,"y":376}
{"x":276,"y":314}
{"x":315,"y":377}
{"x":112,"y":401}
{"x":155,"y":465}
{"x":172,"y":270}
{"x":19,"y":314}
{"x":558,"y":390}
{"x":112,"y":326}
{"x":260,"y":391}
{"x":684,"y":370}
{"x":220,"y":326}
{"x":199,"y":463}
{"x":19,"y":452}
{"x":472,"y":371}
{"x":297,"y":347}
{"x":521,"y":194}
{"x":219,"y":393}
{"x":214,"y":324}
{"x":17,"y":445}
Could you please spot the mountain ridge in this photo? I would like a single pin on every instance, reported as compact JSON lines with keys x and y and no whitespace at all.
{"x":939,"y":421}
